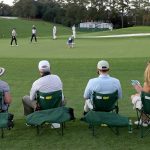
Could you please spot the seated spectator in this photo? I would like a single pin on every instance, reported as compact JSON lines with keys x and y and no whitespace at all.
{"x":4,"y":87}
{"x":46,"y":83}
{"x":102,"y":84}
{"x":136,"y":99}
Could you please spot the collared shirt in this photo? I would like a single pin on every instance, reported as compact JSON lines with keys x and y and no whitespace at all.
{"x":14,"y":33}
{"x":4,"y":87}
{"x":54,"y":29}
{"x":103,"y":84}
{"x":33,"y":31}
{"x":46,"y":84}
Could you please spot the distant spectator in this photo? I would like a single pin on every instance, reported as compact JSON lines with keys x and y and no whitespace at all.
{"x":13,"y":37}
{"x":34,"y":32}
{"x":74,"y":31}
{"x":54,"y":32}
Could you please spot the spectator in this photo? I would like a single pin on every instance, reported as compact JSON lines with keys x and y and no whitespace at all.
{"x":5,"y":89}
{"x":102,"y":84}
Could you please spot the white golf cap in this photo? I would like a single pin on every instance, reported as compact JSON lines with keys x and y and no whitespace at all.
{"x":44,"y":66}
{"x":2,"y":70}
{"x":103,"y":65}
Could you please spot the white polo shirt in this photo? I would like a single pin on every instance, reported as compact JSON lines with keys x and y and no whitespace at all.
{"x":33,"y":31}
{"x":48,"y":83}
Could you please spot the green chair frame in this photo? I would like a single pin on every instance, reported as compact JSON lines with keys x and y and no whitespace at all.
{"x":1,"y":101}
{"x":1,"y":111}
{"x":48,"y":101}
{"x":145,"y":98}
{"x":105,"y":103}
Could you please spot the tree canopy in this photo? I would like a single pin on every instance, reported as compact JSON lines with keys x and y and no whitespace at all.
{"x":122,"y":13}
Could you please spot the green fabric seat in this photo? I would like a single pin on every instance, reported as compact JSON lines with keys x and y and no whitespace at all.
{"x":50,"y":110}
{"x":5,"y":117}
{"x":111,"y":119}
{"x":145,"y":98}
{"x":3,"y":120}
{"x":105,"y":111}
{"x":54,"y":115}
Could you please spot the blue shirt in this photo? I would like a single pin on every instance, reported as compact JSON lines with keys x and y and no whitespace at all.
{"x":103,"y":84}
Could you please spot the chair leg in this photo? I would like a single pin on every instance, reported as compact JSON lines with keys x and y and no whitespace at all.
{"x":38,"y":130}
{"x":117,"y":131}
{"x":2,"y":130}
{"x":62,"y":129}
{"x":93,"y":130}
{"x":141,"y":130}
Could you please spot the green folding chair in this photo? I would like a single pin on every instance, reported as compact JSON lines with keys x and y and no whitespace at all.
{"x":1,"y":100}
{"x":3,"y":115}
{"x":47,"y":101}
{"x":145,"y":98}
{"x":105,"y":111}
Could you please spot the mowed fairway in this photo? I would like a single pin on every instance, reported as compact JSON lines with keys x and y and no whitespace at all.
{"x":127,"y":58}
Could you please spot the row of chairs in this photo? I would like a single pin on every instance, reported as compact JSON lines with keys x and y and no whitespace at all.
{"x":105,"y":111}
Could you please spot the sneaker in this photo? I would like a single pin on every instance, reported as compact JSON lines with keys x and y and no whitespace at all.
{"x":55,"y":125}
{"x":144,"y":124}
{"x":28,"y":125}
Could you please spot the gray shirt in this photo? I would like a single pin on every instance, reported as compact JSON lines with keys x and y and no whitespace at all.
{"x":4,"y":87}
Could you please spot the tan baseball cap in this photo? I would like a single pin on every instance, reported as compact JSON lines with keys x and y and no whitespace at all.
{"x":103,"y":65}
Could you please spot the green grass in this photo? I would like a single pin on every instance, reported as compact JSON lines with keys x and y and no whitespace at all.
{"x":23,"y":28}
{"x":127,"y":58}
{"x":84,"y":48}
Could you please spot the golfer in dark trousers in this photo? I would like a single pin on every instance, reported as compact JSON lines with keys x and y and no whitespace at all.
{"x":33,"y":33}
{"x":13,"y":37}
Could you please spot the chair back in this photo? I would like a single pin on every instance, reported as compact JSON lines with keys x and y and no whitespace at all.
{"x":104,"y":102}
{"x":145,"y":98}
{"x":1,"y":99}
{"x":49,"y":100}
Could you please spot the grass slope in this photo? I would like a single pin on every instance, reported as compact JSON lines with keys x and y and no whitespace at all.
{"x":23,"y":28}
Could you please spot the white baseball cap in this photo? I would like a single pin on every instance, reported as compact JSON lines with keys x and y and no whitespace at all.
{"x":44,"y":66}
{"x":2,"y":70}
{"x":103,"y":65}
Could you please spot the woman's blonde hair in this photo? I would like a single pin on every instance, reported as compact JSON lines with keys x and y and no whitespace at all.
{"x":147,"y":74}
